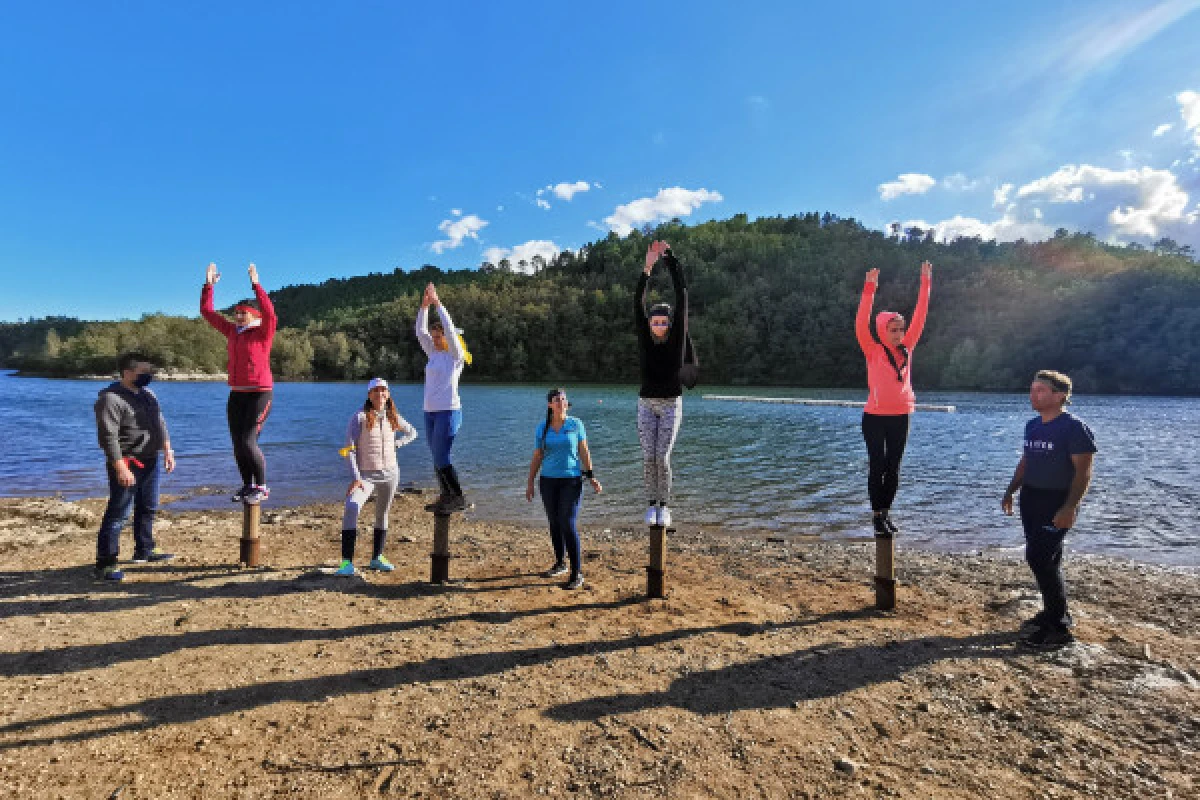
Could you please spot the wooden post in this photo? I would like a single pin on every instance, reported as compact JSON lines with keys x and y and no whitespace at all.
{"x":439,"y":568}
{"x":250,"y":541}
{"x":655,"y":572}
{"x":885,"y":572}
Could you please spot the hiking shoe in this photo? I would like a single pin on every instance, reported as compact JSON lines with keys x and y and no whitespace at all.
{"x":153,"y":556}
{"x":381,"y":564}
{"x":889,"y":524}
{"x":256,"y":495}
{"x":558,"y":569}
{"x":664,"y":516}
{"x":240,"y":495}
{"x":652,"y":515}
{"x":346,"y":569}
{"x":1048,"y":638}
{"x":109,"y":574}
{"x":576,"y":582}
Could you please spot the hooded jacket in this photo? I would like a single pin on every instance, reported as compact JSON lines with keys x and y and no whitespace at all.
{"x":249,"y":348}
{"x":129,"y":423}
{"x":889,"y":393}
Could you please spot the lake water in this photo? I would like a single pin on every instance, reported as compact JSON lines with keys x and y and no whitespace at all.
{"x":793,"y":470}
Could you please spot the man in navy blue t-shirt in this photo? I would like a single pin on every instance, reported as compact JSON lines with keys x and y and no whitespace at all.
{"x":1053,"y":476}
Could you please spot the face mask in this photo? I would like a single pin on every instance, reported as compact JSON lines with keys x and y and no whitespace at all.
{"x":143,"y":380}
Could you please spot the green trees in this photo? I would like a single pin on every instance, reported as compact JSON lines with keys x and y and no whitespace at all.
{"x":773,"y":302}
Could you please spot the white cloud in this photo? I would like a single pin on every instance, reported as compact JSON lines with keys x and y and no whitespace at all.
{"x":958,"y":182}
{"x":1123,"y":203}
{"x":1162,"y":129}
{"x":456,"y":212}
{"x":542,"y":203}
{"x":908,"y":183}
{"x":1116,"y":205}
{"x":457,"y":231}
{"x":1189,"y":109}
{"x":523,"y":252}
{"x":565,"y":191}
{"x":1000,"y":195}
{"x":667,"y":204}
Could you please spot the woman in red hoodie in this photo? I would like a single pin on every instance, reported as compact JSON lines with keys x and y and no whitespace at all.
{"x":249,"y":339}
{"x":891,"y":401}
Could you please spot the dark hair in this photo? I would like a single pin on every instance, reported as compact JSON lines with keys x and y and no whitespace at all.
{"x":129,"y":360}
{"x":249,"y":302}
{"x":550,"y":395}
{"x":660,"y":310}
{"x":389,"y":409}
{"x":436,"y":325}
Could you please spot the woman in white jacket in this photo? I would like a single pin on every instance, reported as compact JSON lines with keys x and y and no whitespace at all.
{"x":371,"y":453}
{"x":443,"y":409}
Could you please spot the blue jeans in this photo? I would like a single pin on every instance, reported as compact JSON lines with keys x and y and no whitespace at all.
{"x":142,"y":497}
{"x":440,"y":429}
{"x":562,"y":498}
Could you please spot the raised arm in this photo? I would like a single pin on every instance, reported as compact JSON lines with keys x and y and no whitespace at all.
{"x":456,"y":348}
{"x":679,"y":329}
{"x":862,"y":320}
{"x":269,"y":320}
{"x":206,"y":304}
{"x":917,"y":325}
{"x":423,"y":337}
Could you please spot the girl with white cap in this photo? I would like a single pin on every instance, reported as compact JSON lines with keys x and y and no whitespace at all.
{"x":371,"y":453}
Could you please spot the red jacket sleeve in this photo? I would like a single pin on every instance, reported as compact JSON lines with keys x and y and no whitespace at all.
{"x":210,"y":314}
{"x":862,"y":320}
{"x":917,"y":325}
{"x":270,"y":321}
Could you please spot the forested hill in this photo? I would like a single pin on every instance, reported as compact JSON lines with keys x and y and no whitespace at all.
{"x":773,"y":302}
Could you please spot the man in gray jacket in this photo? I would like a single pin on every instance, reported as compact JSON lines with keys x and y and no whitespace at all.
{"x":131,"y":431}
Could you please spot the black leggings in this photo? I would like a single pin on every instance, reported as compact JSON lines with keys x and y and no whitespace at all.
{"x":247,"y":411}
{"x":885,"y":436}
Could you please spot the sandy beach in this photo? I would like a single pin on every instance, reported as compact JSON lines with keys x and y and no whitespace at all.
{"x":766,"y":672}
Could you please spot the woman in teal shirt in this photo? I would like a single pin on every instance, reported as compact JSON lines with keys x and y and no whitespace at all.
{"x":561,"y":453}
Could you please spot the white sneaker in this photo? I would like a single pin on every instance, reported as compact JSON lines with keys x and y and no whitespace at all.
{"x":652,"y":515}
{"x":664,"y":516}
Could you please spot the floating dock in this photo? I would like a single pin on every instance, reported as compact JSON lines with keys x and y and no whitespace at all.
{"x":811,"y":401}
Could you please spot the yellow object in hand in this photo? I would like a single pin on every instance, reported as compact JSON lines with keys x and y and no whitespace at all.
{"x":345,"y":451}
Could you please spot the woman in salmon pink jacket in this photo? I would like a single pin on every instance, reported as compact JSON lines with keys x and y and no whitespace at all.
{"x":251,"y":385}
{"x":891,"y":401}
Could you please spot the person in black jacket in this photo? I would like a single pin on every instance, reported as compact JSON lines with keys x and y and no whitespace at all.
{"x":668,"y":363}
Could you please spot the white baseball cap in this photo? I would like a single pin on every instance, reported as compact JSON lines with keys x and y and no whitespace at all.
{"x":377,"y":383}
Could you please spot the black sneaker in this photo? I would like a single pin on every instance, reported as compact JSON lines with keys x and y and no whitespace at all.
{"x":1048,"y":638}
{"x":576,"y":582}
{"x":558,"y":569}
{"x":111,"y":574}
{"x":152,"y":557}
{"x":880,"y":524}
{"x":887,"y":521}
{"x":436,"y":505}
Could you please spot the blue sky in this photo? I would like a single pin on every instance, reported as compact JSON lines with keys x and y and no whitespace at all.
{"x":141,"y":140}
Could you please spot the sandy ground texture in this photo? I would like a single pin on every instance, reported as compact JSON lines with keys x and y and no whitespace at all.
{"x":764,"y":673}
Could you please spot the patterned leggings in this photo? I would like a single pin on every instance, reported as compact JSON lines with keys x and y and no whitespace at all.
{"x":658,"y":423}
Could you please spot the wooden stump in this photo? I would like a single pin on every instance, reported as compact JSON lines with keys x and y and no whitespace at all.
{"x":439,"y":568}
{"x":656,"y":571}
{"x":250,"y":549}
{"x":885,"y":572}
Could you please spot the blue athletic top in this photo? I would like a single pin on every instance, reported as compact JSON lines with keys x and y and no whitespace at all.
{"x":1049,"y":447}
{"x":560,"y":452}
